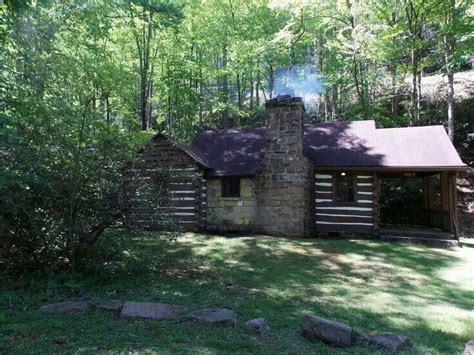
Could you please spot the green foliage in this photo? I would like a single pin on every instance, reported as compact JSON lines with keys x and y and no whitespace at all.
{"x":79,"y":79}
{"x":62,"y":154}
{"x":180,"y":65}
{"x":402,"y":193}
{"x":61,"y":186}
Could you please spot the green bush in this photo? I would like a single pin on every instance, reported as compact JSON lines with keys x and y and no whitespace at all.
{"x":61,"y":183}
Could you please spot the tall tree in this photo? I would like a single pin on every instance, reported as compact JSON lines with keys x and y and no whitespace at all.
{"x":456,"y":34}
{"x":418,"y":16}
{"x":449,"y":43}
{"x":145,"y":18}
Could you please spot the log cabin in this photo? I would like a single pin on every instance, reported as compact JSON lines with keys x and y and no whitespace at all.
{"x":295,"y":179}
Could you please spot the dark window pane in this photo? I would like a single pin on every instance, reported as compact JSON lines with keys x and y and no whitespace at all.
{"x":230,"y":187}
{"x":345,"y":188}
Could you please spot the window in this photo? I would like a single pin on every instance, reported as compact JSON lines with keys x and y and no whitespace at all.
{"x":230,"y":187}
{"x":344,"y":188}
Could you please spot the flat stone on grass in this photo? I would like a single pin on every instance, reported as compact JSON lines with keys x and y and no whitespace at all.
{"x":258,"y":325}
{"x":218,"y":316}
{"x":388,"y":341}
{"x":326,"y":330}
{"x":148,"y":310}
{"x":66,"y":307}
{"x":110,"y":305}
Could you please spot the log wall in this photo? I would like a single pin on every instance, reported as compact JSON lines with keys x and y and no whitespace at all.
{"x":345,"y":219}
{"x":165,"y":190}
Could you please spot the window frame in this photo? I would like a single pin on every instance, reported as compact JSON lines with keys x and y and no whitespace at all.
{"x":336,"y":176}
{"x":230,"y":180}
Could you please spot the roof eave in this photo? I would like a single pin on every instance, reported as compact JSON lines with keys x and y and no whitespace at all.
{"x":395,"y":168}
{"x":211,"y":175}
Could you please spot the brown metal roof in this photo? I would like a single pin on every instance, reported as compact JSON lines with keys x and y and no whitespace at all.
{"x":231,"y":152}
{"x":357,"y":144}
{"x":427,"y":146}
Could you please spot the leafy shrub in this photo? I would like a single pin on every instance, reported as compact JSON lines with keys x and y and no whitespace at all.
{"x":60,"y":186}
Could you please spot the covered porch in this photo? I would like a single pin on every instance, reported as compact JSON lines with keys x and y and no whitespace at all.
{"x":418,"y":203}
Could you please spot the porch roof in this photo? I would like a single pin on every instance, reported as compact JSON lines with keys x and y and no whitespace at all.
{"x":359,"y":144}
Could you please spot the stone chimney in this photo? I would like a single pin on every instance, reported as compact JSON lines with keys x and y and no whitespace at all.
{"x":283,"y":182}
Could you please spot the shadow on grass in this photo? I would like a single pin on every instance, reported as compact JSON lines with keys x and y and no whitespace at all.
{"x":370,"y":285}
{"x":305,"y":280}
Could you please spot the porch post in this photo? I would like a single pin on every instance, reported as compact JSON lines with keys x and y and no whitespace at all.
{"x":445,"y":201}
{"x":453,"y":203}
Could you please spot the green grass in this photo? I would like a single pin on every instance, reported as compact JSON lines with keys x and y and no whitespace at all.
{"x":426,"y":294}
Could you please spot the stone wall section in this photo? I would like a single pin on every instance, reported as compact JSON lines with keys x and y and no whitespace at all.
{"x":231,"y":214}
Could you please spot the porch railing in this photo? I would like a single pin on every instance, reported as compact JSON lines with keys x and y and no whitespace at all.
{"x":415,"y":217}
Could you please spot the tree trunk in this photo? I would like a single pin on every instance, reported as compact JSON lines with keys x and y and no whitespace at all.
{"x":149,"y":108}
{"x":359,"y":86}
{"x":271,"y":81}
{"x":239,"y":94}
{"x":257,"y":96}
{"x":326,"y":103}
{"x":394,"y":94}
{"x":334,"y":104}
{"x":225,"y":88}
{"x":418,"y":94}
{"x":414,"y":89}
{"x":449,"y":44}
{"x":251,"y":89}
{"x":450,"y":102}
{"x":170,"y":118}
{"x":143,"y":101}
{"x":201,"y":88}
{"x":143,"y":38}
{"x":262,"y":89}
{"x":107,"y":107}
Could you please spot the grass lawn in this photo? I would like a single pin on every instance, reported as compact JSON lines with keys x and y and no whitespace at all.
{"x":426,"y":294}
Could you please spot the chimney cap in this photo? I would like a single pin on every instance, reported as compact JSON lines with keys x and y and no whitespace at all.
{"x":285,"y":100}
